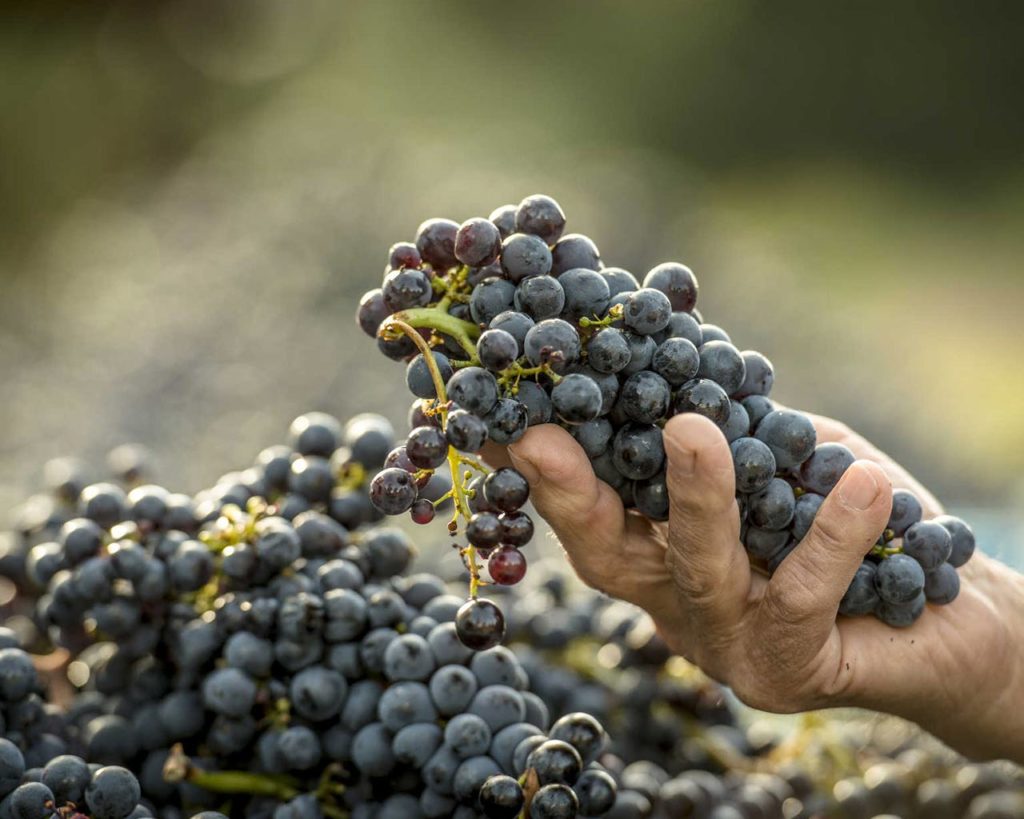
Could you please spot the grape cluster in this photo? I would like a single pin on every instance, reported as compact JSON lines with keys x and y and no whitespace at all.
{"x":507,"y":322}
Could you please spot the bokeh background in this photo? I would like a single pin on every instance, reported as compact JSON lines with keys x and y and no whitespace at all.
{"x":194,"y":194}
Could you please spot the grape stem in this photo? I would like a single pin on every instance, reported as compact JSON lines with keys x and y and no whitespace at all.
{"x":455,"y":459}
{"x":437,"y":318}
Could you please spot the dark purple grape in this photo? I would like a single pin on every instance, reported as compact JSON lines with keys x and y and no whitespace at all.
{"x":963,"y":539}
{"x":477,"y":242}
{"x":540,"y":216}
{"x":516,"y":528}
{"x":514,"y":323}
{"x":372,"y":311}
{"x":405,"y":289}
{"x":555,"y":762}
{"x":764,"y":544}
{"x":397,"y":349}
{"x":536,"y":400}
{"x":465,"y":431}
{"x":899,"y":579}
{"x":393,"y":491}
{"x":821,"y":472}
{"x":722,"y":363}
{"x":773,"y":507}
{"x":942,"y":585}
{"x":556,"y":802}
{"x":759,"y":377}
{"x":576,"y":399}
{"x":490,"y":298}
{"x":677,"y":282}
{"x":541,"y":297}
{"x":682,"y":325}
{"x":523,"y":255}
{"x":505,"y":489}
{"x":474,"y":390}
{"x":404,"y":254}
{"x":507,"y":566}
{"x":645,"y":397}
{"x":712,"y":332}
{"x":705,"y":398}
{"x":427,"y":447}
{"x":421,"y":414}
{"x":929,"y":543}
{"x":594,"y":436}
{"x":596,"y":790}
{"x":906,"y":511}
{"x":676,"y":360}
{"x":619,"y":281}
{"x":807,"y":506}
{"x":497,"y":350}
{"x":507,"y":421}
{"x":418,"y":378}
{"x":553,"y":341}
{"x":398,"y":458}
{"x":901,"y":615}
{"x":484,"y":530}
{"x":646,"y":311}
{"x":572,"y":251}
{"x":738,"y":425}
{"x":790,"y":436}
{"x":758,"y":408}
{"x":501,"y":797}
{"x":608,"y":351}
{"x":435,"y":240}
{"x":651,"y":497}
{"x":422,"y":511}
{"x":754,"y":465}
{"x":638,"y":451}
{"x":586,"y":294}
{"x":504,"y":219}
{"x":861,"y":597}
{"x":479,"y":624}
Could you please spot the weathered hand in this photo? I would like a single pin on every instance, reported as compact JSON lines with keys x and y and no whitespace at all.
{"x":777,"y":642}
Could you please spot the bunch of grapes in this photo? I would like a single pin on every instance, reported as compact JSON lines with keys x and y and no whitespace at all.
{"x":507,"y":322}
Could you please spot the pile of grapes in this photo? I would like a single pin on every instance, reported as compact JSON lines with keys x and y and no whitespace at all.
{"x":260,"y":649}
{"x":507,"y":322}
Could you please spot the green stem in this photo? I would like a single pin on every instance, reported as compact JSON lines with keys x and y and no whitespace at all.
{"x":179,"y":768}
{"x":439,"y":319}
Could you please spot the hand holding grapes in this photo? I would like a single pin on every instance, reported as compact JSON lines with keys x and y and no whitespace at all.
{"x":777,"y":642}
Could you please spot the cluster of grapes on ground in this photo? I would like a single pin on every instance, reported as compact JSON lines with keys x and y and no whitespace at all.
{"x":507,"y":322}
{"x":262,"y":649}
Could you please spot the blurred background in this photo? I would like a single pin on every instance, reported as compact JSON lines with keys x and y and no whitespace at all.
{"x":194,"y":194}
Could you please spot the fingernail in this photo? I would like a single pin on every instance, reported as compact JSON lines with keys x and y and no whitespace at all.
{"x":523,"y":466}
{"x":859,"y":488}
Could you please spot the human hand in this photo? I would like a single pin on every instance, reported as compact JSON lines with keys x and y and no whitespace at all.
{"x":777,"y":642}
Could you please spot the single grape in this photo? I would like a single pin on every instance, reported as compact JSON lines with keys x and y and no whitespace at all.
{"x":583,"y":732}
{"x":372,"y":311}
{"x":554,"y":801}
{"x":574,"y":250}
{"x":773,"y":507}
{"x":419,"y":380}
{"x":465,"y":431}
{"x":507,"y":421}
{"x":404,"y":254}
{"x":942,"y":585}
{"x":608,"y":351}
{"x":754,"y":464}
{"x":480,"y":624}
{"x":427,"y":447}
{"x":405,"y":289}
{"x":555,"y":761}
{"x":507,"y":566}
{"x":963,"y":539}
{"x":541,"y":216}
{"x":552,"y":341}
{"x":490,"y":298}
{"x":497,"y":350}
{"x":393,"y":491}
{"x":586,"y":294}
{"x":764,"y":544}
{"x":738,"y":425}
{"x":473,"y":389}
{"x":422,"y":511}
{"x":821,"y":472}
{"x":705,"y":398}
{"x":651,"y":497}
{"x":501,"y":797}
{"x":576,"y":399}
{"x":506,"y":490}
{"x":504,"y":219}
{"x":523,"y":255}
{"x":540,"y":297}
{"x":677,"y":282}
{"x":759,"y":375}
{"x":722,"y":363}
{"x":477,"y":242}
{"x":596,"y":791}
{"x":536,"y":400}
{"x":906,"y":511}
{"x":901,"y":615}
{"x":645,"y":397}
{"x":594,"y":436}
{"x":638,"y":451}
{"x":899,"y":579}
{"x":619,"y":281}
{"x":807,"y":506}
{"x":682,"y":325}
{"x":641,"y":352}
{"x":758,"y":408}
{"x":676,"y":360}
{"x":862,"y":595}
{"x":646,"y":311}
{"x":435,"y":240}
{"x":484,"y":530}
{"x":516,"y":528}
{"x":929,"y":543}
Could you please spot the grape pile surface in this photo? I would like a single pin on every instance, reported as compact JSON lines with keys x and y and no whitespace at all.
{"x":259,"y":649}
{"x":507,"y":322}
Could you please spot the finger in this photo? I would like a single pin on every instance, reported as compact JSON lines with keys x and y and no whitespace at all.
{"x":809,"y":584}
{"x":705,"y":556}
{"x":495,"y":455}
{"x":832,"y":431}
